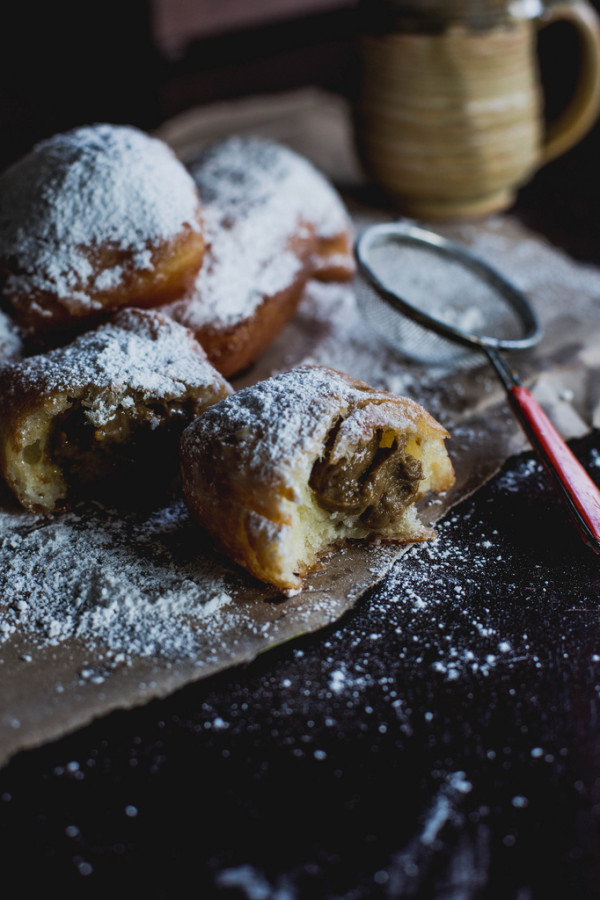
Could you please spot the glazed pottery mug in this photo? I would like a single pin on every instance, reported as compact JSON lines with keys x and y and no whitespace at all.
{"x":449,"y":112}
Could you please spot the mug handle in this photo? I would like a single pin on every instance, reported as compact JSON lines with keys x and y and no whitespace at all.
{"x":581,"y":113}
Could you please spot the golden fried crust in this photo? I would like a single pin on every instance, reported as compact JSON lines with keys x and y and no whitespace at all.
{"x":173,"y":269}
{"x":272,"y":223}
{"x":282,"y":472}
{"x":232,"y":349}
{"x":333,"y":258}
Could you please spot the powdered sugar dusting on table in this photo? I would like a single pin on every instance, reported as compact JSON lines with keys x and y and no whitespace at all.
{"x":120,"y":585}
{"x":74,"y":193}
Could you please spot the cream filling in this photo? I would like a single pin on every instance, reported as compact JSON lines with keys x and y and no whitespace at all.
{"x":315,"y":529}
{"x":66,"y":447}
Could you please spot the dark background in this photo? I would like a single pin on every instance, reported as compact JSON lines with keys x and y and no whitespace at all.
{"x":66,"y":64}
{"x":264,"y":783}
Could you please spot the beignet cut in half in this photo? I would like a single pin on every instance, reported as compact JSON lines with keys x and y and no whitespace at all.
{"x":117,"y":397}
{"x":293,"y":467}
{"x":271,"y":223}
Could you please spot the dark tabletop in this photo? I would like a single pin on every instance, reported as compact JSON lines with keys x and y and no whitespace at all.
{"x":441,"y":741}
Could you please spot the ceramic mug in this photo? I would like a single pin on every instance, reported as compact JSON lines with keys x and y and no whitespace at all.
{"x":449,"y":114}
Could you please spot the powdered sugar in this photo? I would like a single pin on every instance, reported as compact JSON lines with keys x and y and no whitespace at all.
{"x":280,"y":424}
{"x":256,"y":196}
{"x":139,"y":352}
{"x":75,"y":193}
{"x":117,"y":584}
{"x":446,"y":289}
{"x":425,"y":608}
{"x":11,"y":343}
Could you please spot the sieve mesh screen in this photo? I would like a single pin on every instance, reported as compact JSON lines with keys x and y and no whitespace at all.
{"x":445,"y":283}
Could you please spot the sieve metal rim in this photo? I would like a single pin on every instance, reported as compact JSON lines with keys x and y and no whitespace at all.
{"x":414,"y":235}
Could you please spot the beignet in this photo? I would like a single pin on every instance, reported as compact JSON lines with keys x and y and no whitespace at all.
{"x":101,"y":217}
{"x":117,"y":395}
{"x":271,"y":223}
{"x":284,"y":471}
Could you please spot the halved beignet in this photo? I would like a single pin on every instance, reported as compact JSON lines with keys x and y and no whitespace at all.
{"x":93,"y":220}
{"x":272,"y":222}
{"x":286,"y":470}
{"x":118,"y":395}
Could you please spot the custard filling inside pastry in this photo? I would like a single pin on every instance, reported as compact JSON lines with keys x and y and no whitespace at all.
{"x":375,"y":485}
{"x":86,"y":451}
{"x":61,"y":451}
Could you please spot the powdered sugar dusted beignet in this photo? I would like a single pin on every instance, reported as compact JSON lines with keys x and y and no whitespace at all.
{"x":119,"y":394}
{"x":271,"y":223}
{"x":101,"y":217}
{"x":284,"y":471}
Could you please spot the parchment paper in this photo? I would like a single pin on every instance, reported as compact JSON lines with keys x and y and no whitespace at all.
{"x":179,"y":611}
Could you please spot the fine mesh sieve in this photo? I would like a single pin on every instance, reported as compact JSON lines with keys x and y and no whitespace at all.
{"x":436,"y":302}
{"x":450,"y":301}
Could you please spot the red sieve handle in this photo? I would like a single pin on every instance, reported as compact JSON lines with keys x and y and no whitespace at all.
{"x":575,"y":486}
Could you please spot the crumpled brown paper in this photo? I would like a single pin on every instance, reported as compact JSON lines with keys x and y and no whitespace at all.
{"x":61,"y":670}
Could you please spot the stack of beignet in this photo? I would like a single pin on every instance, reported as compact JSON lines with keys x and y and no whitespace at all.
{"x":102,"y":224}
{"x":105,"y":218}
{"x":284,"y":471}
